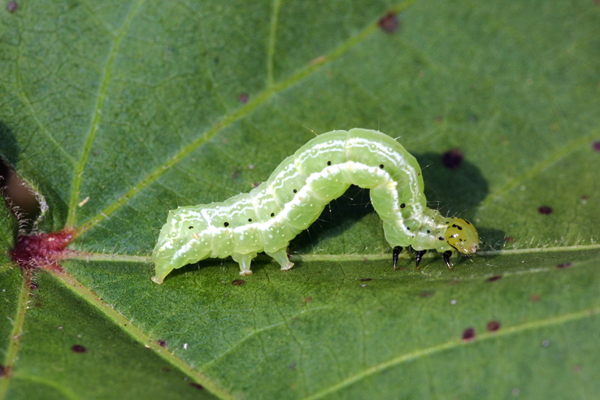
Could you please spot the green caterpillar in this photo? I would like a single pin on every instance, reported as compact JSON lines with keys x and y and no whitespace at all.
{"x":271,"y":215}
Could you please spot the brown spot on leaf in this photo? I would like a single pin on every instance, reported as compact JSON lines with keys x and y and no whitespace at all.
{"x":493,"y":326}
{"x":546,"y":210}
{"x":565,"y":265}
{"x":243,"y":98}
{"x":468,"y":334}
{"x":77,"y":348}
{"x":4,"y":371}
{"x":366,"y":279}
{"x":162,"y":343}
{"x":535,"y":297}
{"x":196,"y":385}
{"x":12,"y":6}
{"x":427,"y":293}
{"x":389,"y":23}
{"x":238,"y":282}
{"x":453,"y":158}
{"x":596,"y":144}
{"x":494,"y":278}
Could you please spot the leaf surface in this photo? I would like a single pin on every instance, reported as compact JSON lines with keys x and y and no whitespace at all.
{"x":117,"y":111}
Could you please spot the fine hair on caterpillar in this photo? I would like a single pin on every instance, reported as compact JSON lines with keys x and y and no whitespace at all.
{"x":272,"y":214}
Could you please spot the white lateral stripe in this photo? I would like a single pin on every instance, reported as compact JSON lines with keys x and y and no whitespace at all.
{"x":303,"y":193}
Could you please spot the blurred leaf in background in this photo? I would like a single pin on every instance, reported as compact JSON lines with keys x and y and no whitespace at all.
{"x":117,"y":111}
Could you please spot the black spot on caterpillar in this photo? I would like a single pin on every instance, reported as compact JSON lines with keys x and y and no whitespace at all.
{"x":272,"y":214}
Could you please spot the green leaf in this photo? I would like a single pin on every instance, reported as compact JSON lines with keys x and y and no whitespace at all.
{"x":117,"y":111}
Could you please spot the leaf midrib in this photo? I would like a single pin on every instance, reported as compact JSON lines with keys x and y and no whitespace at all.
{"x":78,"y":255}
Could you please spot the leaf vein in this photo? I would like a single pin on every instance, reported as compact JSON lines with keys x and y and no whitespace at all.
{"x":452,"y":344}
{"x":97,"y":114}
{"x":228,"y":119}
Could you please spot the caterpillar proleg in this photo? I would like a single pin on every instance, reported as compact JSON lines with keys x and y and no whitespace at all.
{"x":272,"y":214}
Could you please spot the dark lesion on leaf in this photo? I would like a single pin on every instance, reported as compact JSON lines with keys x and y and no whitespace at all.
{"x":4,"y":371}
{"x":389,"y":23}
{"x":77,"y":348}
{"x":42,"y":250}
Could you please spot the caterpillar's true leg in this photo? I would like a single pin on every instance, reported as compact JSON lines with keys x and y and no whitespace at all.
{"x":244,"y":260}
{"x":447,"y":255}
{"x":395,"y":255}
{"x":419,"y":257}
{"x":282,"y":258}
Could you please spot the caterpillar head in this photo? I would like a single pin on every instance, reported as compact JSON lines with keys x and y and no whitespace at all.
{"x":462,"y":235}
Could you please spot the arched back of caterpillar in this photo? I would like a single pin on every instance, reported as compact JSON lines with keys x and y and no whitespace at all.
{"x":272,"y":214}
